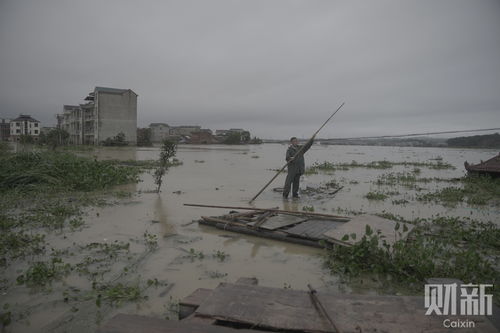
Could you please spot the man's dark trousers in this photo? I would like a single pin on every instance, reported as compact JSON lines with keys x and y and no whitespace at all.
{"x":292,"y":178}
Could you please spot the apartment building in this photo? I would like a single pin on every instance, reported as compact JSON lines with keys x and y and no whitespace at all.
{"x":24,"y":125}
{"x":107,"y":112}
{"x":159,"y":131}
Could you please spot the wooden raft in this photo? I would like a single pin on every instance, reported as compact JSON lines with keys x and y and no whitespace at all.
{"x":309,"y":229}
{"x":298,"y":227}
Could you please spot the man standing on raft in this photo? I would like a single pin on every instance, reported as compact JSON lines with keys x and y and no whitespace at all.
{"x":296,"y":166}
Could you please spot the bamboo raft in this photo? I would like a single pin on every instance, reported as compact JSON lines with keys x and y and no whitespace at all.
{"x":305,"y":228}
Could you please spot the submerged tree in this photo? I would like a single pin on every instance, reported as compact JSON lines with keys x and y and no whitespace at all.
{"x":168,"y":150}
{"x":54,"y":138}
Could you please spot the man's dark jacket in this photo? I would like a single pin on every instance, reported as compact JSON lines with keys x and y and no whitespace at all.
{"x":297,"y":166}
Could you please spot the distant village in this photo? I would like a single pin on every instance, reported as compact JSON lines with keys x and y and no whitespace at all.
{"x":108,"y":116}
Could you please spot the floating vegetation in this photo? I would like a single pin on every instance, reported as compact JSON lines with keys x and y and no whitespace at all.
{"x":116,"y":294}
{"x":400,"y":202}
{"x":41,"y":274}
{"x":408,"y":179}
{"x":475,"y":190}
{"x":330,"y":167}
{"x":220,"y":255}
{"x":194,"y":254}
{"x":43,"y":197}
{"x":148,"y":164}
{"x":376,"y":196}
{"x":215,"y":274}
{"x":445,"y":247}
{"x":308,"y":208}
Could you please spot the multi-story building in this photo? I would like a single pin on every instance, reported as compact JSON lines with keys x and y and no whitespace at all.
{"x":184,"y":130}
{"x":107,"y":113}
{"x":4,"y":129}
{"x":159,"y":131}
{"x":24,"y":125}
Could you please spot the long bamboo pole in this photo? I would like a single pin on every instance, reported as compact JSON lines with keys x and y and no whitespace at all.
{"x":296,"y":154}
{"x":289,"y":212}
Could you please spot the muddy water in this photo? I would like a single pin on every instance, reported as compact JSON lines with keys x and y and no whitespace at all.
{"x":223,"y":175}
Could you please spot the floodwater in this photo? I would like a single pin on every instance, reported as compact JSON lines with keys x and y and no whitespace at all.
{"x":231,"y":175}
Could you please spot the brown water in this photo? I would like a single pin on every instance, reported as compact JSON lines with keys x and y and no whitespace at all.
{"x":223,"y":175}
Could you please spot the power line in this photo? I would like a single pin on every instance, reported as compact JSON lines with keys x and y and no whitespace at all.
{"x":416,"y":134}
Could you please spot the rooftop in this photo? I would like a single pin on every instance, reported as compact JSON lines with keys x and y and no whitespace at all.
{"x":111,"y":90}
{"x":158,"y":124}
{"x":26,"y":117}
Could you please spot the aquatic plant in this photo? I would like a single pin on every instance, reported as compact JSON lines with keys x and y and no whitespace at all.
{"x":220,"y":255}
{"x":443,"y":247}
{"x":41,"y":273}
{"x":375,"y":196}
{"x":329,"y":166}
{"x":475,"y":190}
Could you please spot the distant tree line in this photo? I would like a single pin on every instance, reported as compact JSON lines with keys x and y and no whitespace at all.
{"x":482,"y":141}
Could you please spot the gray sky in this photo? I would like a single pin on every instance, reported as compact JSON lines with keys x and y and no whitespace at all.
{"x":277,"y":68}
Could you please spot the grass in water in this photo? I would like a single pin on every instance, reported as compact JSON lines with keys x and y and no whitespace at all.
{"x":475,"y":190}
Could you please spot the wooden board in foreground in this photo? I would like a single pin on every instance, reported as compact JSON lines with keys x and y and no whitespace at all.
{"x":281,"y":309}
{"x":357,"y":225}
{"x":122,"y":323}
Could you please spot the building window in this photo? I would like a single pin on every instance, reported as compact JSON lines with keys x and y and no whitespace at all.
{"x":18,"y":124}
{"x":18,"y":131}
{"x":36,"y":131}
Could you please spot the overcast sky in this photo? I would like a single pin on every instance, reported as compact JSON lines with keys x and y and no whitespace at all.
{"x":277,"y":68}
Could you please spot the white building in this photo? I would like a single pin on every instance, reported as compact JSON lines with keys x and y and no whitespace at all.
{"x":159,"y":131}
{"x":24,"y":125}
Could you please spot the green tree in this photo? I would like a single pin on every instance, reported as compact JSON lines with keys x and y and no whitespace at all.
{"x":168,"y":150}
{"x":144,"y":137}
{"x":233,"y":138}
{"x":26,"y":139}
{"x":54,"y":138}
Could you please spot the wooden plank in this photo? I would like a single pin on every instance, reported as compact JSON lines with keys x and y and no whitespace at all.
{"x":196,"y":297}
{"x":280,"y":309}
{"x":357,"y":225}
{"x":277,"y":235}
{"x":269,"y":308}
{"x":189,"y":304}
{"x":280,"y":211}
{"x":122,"y":323}
{"x":279,"y":221}
{"x":313,"y":229}
{"x":262,"y":219}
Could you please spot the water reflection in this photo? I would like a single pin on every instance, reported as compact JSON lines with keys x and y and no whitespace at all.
{"x":167,"y":229}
